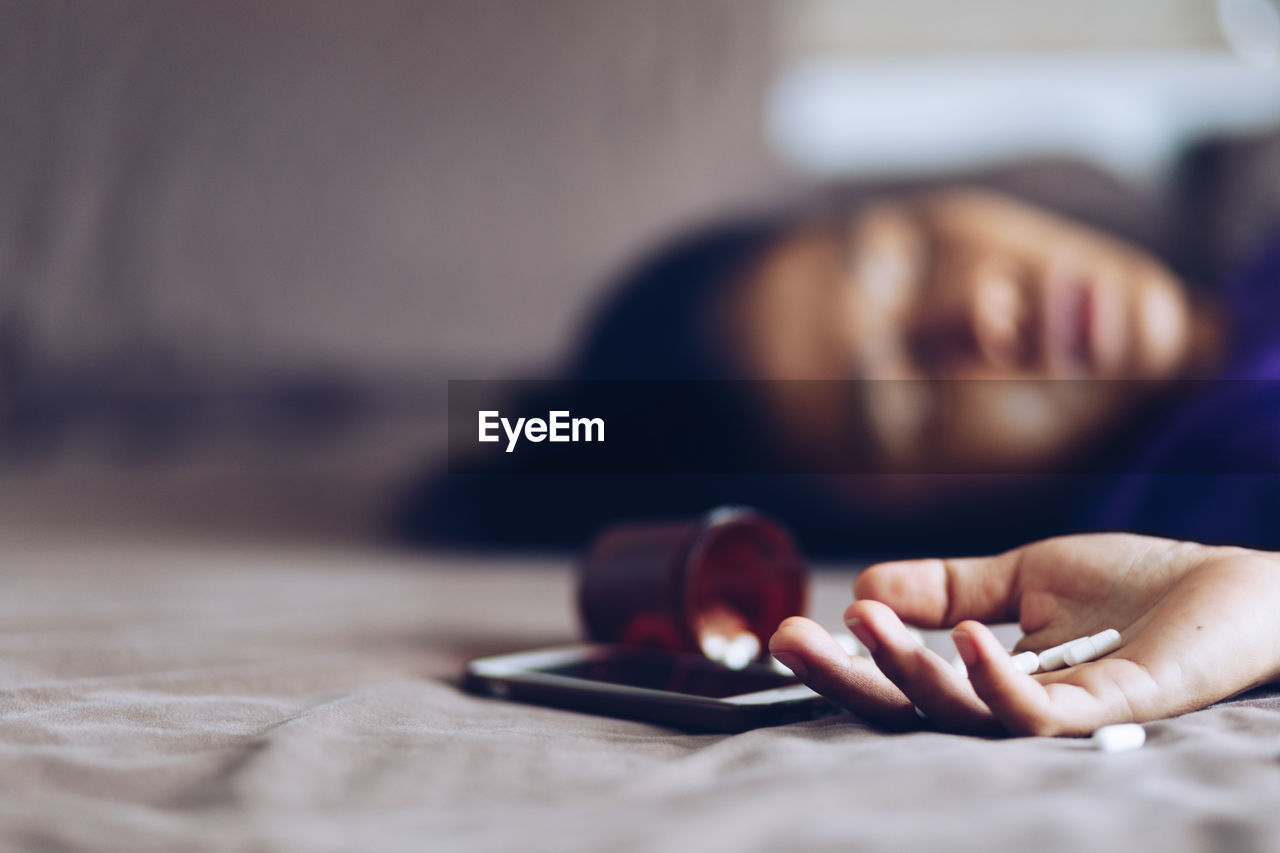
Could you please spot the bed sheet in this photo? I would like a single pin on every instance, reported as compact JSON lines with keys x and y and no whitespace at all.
{"x":161,"y":695}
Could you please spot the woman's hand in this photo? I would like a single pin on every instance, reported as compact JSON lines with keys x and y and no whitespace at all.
{"x":1197,"y":624}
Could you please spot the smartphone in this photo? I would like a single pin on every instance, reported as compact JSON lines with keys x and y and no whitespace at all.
{"x":683,"y":691}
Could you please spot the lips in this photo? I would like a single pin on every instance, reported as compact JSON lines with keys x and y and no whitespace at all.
{"x":1083,"y":326}
{"x":1066,"y":325}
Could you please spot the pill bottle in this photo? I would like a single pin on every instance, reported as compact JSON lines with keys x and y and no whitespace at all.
{"x":718,"y":585}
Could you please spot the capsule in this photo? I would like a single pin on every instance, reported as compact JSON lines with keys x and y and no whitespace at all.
{"x":741,"y":650}
{"x":1105,"y":642}
{"x":714,"y":646}
{"x":1051,"y":659}
{"x":1028,"y":662}
{"x":1078,"y":651}
{"x":1120,"y":738}
{"x":1086,"y":649}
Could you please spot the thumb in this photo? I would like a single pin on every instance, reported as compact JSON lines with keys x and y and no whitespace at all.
{"x":938,"y":593}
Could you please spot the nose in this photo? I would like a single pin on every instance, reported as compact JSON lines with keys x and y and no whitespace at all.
{"x":998,"y":314}
{"x":976,"y":317}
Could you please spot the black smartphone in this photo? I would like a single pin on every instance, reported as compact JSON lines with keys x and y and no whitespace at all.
{"x":680,"y":690}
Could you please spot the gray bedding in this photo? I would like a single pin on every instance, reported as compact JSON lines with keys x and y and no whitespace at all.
{"x":196,"y":193}
{"x":175,"y":693}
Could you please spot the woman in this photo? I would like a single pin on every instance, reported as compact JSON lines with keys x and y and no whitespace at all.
{"x":950,"y":369}
{"x":1019,"y":346}
{"x":977,"y":307}
{"x":1196,"y":622}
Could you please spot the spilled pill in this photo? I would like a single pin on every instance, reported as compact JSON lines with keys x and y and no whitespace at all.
{"x":1078,"y":651}
{"x":741,"y":650}
{"x":714,"y":646}
{"x":1105,"y":642}
{"x":1119,"y":738}
{"x":1088,"y":648}
{"x":1051,"y":659}
{"x":1028,"y":662}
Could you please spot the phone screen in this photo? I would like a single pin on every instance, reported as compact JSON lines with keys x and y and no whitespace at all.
{"x":676,"y":673}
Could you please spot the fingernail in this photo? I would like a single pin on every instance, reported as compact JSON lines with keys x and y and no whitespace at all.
{"x":863,"y":634}
{"x":792,"y":662}
{"x":964,"y":646}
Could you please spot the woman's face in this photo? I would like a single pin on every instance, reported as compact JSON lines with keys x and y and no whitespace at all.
{"x":960,"y":285}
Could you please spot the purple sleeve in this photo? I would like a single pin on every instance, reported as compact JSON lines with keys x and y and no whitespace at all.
{"x":1228,"y":439}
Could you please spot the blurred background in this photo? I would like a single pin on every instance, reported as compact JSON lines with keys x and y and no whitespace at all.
{"x":244,"y":245}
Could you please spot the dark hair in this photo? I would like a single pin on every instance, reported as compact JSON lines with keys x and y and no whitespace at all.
{"x":655,"y":324}
{"x":652,"y":325}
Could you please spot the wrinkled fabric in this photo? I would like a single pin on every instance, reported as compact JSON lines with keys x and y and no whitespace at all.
{"x":219,"y":696}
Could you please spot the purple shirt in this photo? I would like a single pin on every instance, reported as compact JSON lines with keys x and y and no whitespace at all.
{"x":1231,"y":428}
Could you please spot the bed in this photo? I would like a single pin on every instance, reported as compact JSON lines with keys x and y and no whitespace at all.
{"x":240,"y":686}
{"x":207,"y":641}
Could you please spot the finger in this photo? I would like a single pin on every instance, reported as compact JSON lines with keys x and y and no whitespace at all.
{"x":1075,"y":701}
{"x":931,"y":683}
{"x":1016,"y":699}
{"x":853,"y":682}
{"x":937,"y":593}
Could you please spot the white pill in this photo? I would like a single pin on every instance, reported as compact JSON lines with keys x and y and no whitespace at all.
{"x":958,"y":665}
{"x":1105,"y":642}
{"x":1120,"y":738}
{"x":1028,"y":662}
{"x":1079,"y":651}
{"x":1086,"y":649}
{"x":1051,"y":659}
{"x":915,"y":635}
{"x":742,"y":650}
{"x":715,"y":646}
